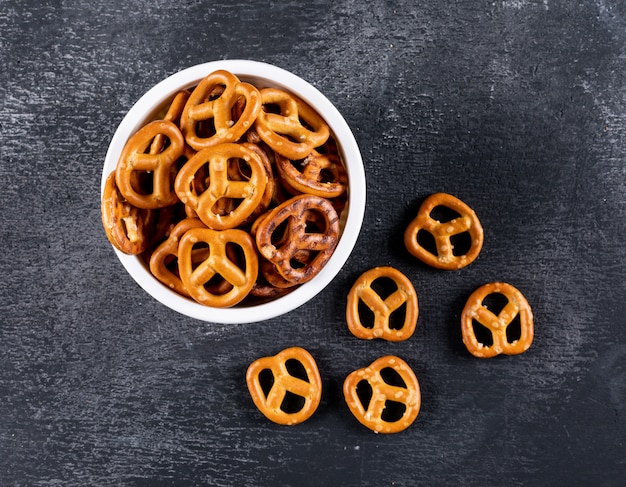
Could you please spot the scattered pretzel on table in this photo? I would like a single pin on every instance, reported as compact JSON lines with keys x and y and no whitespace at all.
{"x":497,"y":325}
{"x":444,"y":256}
{"x":371,"y":411}
{"x":382,"y":309}
{"x":271,"y":402}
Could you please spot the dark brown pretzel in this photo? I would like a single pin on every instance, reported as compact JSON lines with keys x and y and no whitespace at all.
{"x":297,"y":212}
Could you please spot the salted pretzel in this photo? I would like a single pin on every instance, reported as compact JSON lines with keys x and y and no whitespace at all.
{"x":271,"y":403}
{"x":373,"y":411}
{"x":207,"y":205}
{"x":293,"y":132}
{"x":123,"y":223}
{"x":196,"y":277}
{"x":442,"y":232}
{"x":160,"y":167}
{"x":362,"y":291}
{"x":296,"y":212}
{"x":213,"y":102}
{"x":318,"y":174}
{"x":498,"y":325}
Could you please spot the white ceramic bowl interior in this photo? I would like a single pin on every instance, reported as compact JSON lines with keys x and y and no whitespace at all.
{"x":261,"y":75}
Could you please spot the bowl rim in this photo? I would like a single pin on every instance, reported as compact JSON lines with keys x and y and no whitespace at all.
{"x":255,"y":71}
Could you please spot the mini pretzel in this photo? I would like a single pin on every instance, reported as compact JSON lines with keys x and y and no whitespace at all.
{"x":310,"y":389}
{"x":241,"y":275}
{"x":123,"y":223}
{"x":382,"y":309}
{"x":497,"y":325}
{"x":214,"y":101}
{"x":320,"y":174}
{"x":172,"y":114}
{"x":161,"y":166}
{"x":280,"y":251}
{"x":295,"y":130}
{"x":442,"y":233}
{"x":372,"y":413}
{"x":220,"y":187}
{"x":169,"y":249}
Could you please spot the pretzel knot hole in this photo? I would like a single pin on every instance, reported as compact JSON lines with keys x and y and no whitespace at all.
{"x":496,"y":302}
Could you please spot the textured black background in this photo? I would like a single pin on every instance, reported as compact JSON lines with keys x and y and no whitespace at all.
{"x":518,"y":107}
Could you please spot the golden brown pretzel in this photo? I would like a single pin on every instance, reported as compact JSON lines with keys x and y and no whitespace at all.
{"x":214,"y":101}
{"x":497,"y":325}
{"x":320,"y":174}
{"x":293,"y":132}
{"x":382,"y":308}
{"x":222,"y":190}
{"x":123,"y":223}
{"x":172,"y":114}
{"x":159,"y":167}
{"x":444,"y":258}
{"x":168,"y":249}
{"x":269,"y":403}
{"x":281,"y":249}
{"x":371,"y":413}
{"x":218,"y":264}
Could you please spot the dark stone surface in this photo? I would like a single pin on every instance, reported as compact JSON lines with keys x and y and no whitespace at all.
{"x":516,"y":106}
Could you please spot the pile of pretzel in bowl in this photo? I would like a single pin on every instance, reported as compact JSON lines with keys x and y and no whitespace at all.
{"x":231,"y":194}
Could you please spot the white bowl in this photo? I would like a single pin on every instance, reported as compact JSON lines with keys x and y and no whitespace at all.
{"x":261,"y":75}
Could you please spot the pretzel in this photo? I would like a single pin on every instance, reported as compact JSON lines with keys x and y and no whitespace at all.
{"x":497,"y":325}
{"x":296,"y":212}
{"x":197,"y":276}
{"x":371,"y":413}
{"x":295,"y":130}
{"x":444,"y":258}
{"x":160,"y":166}
{"x":159,"y":260}
{"x":321,"y":174}
{"x":382,"y":309}
{"x":123,"y":223}
{"x":213,"y":102}
{"x":221,"y":189}
{"x":270,"y":186}
{"x":271,"y":403}
{"x":172,"y":114}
